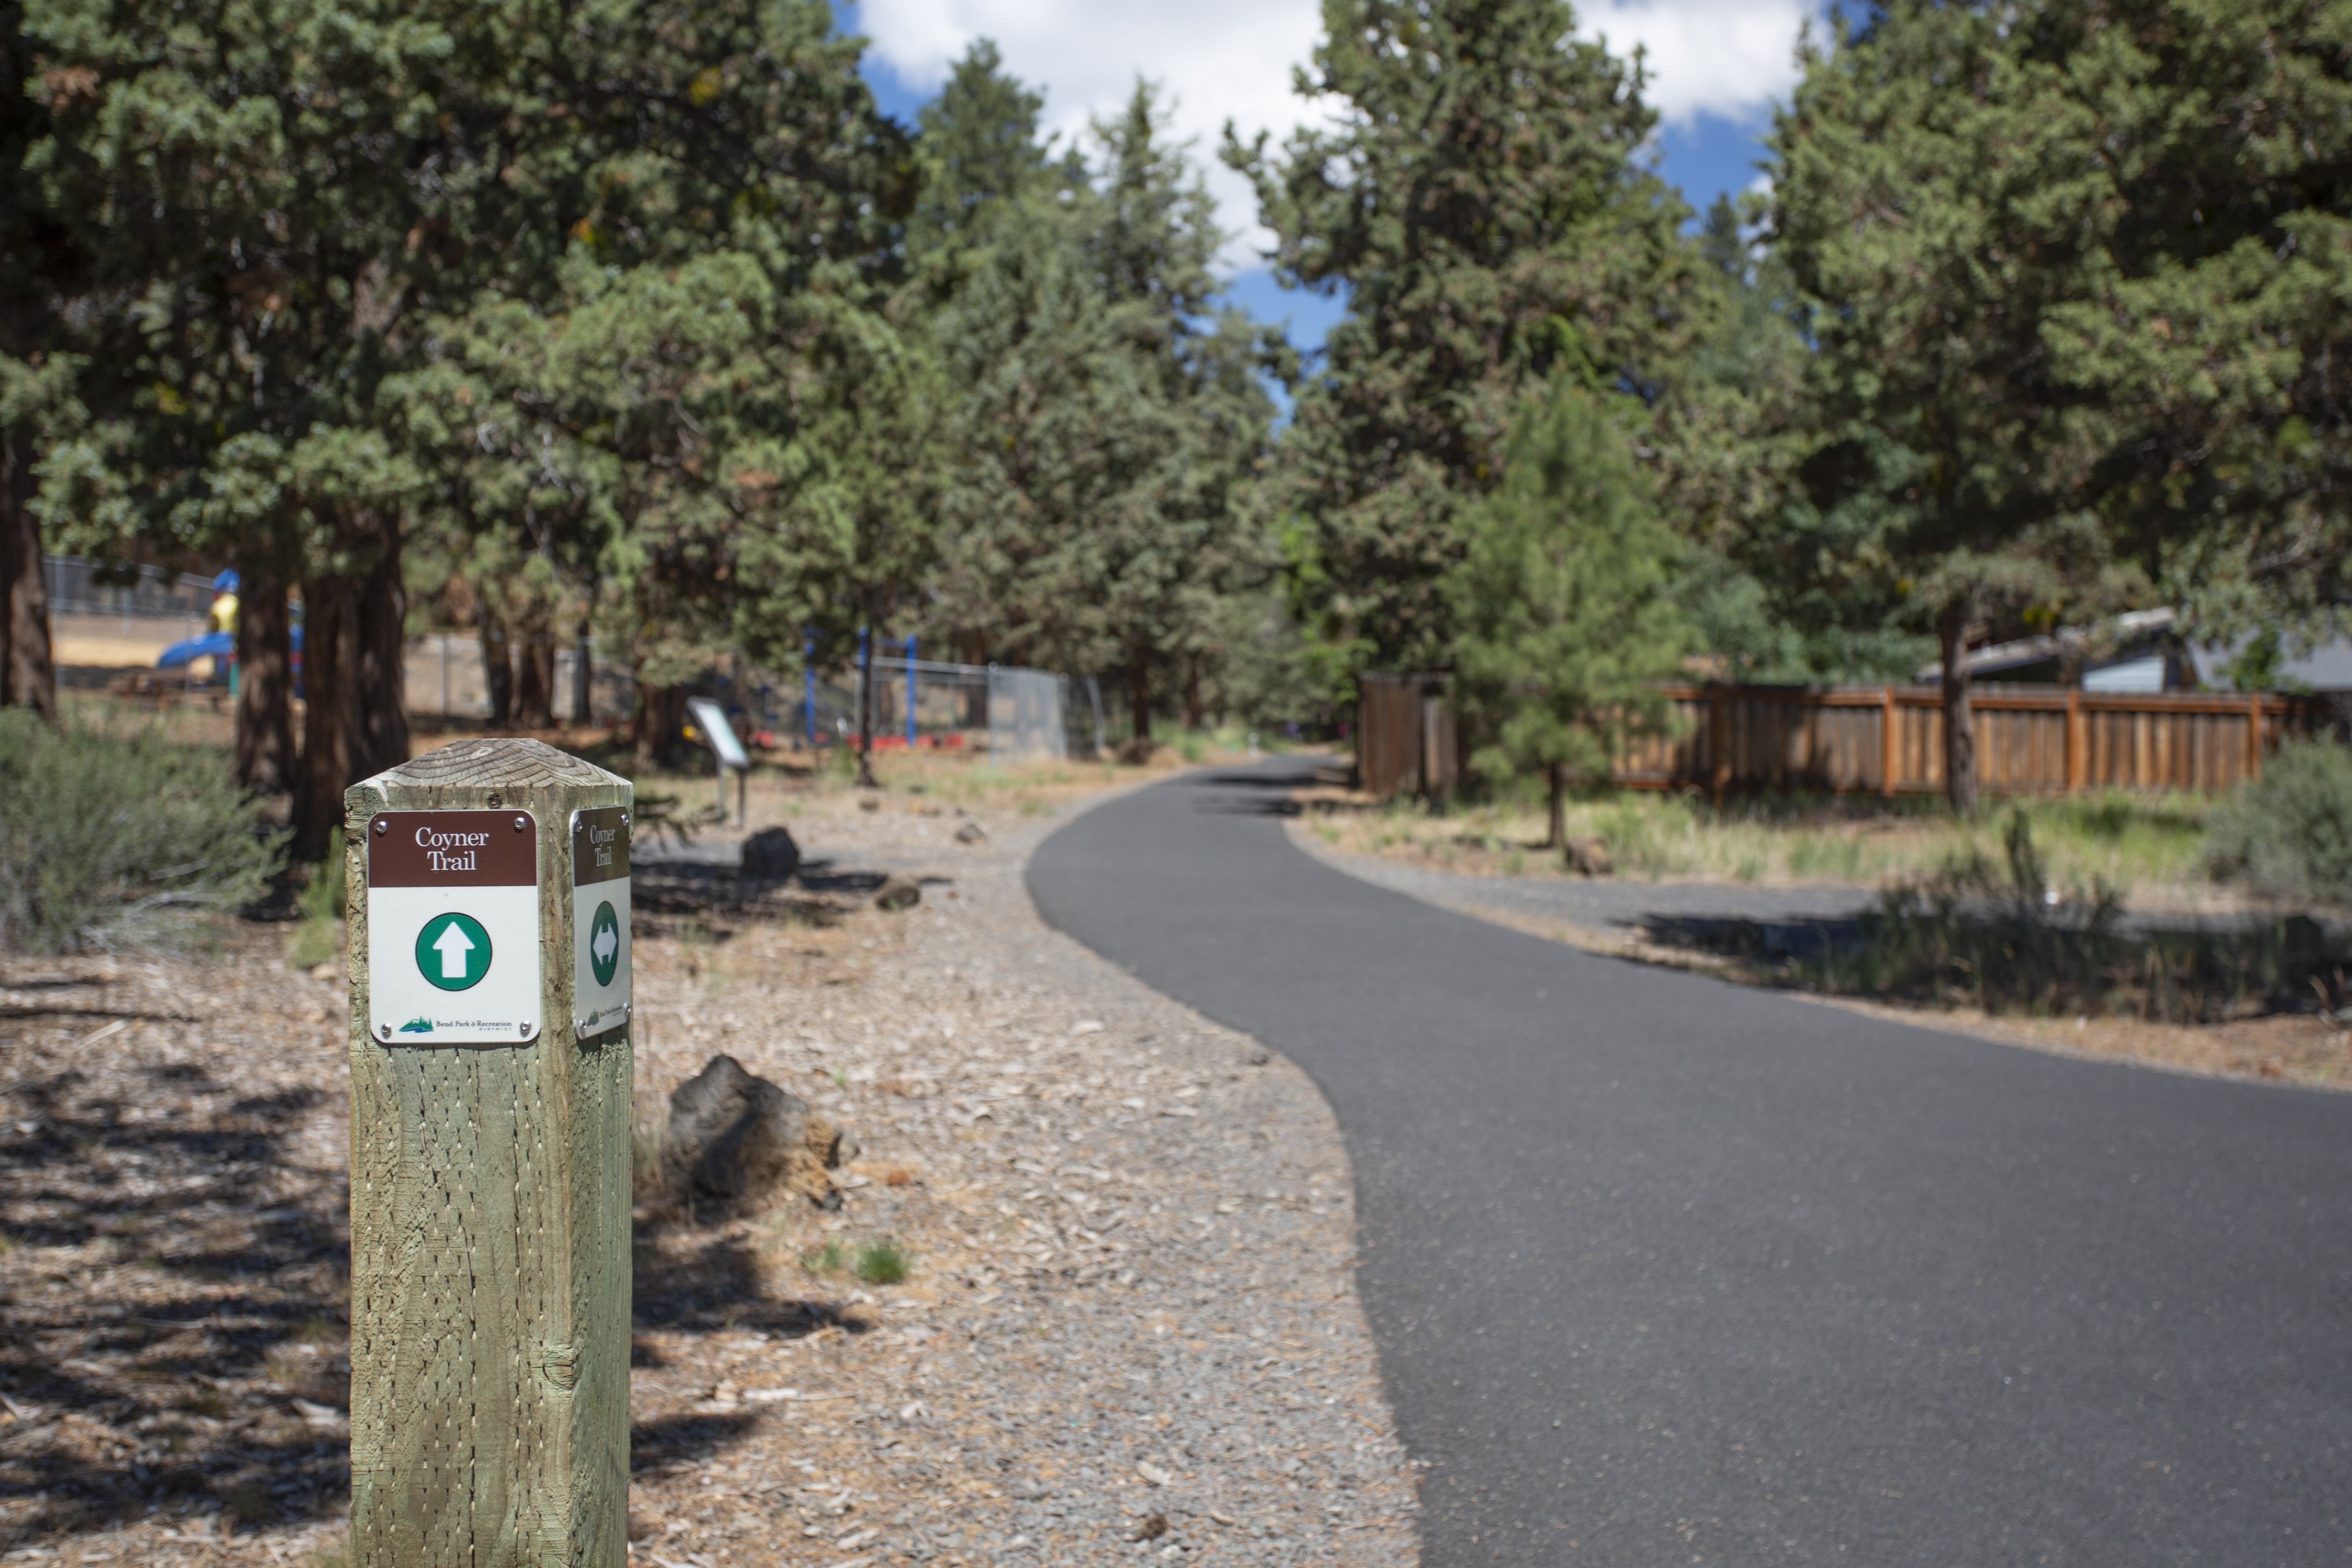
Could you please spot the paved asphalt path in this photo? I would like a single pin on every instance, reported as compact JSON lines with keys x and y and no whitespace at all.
{"x":1665,"y":1271}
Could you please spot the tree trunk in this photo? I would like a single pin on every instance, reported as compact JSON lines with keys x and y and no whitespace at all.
{"x":378,"y":678}
{"x":1138,"y":706}
{"x":866,"y":713}
{"x":1959,"y":726}
{"x":1557,"y":837}
{"x":584,"y":680}
{"x":534,"y":680}
{"x":265,"y":689}
{"x":498,"y":671}
{"x":329,"y":637}
{"x":660,"y":711}
{"x":28,"y":677}
{"x":1195,"y":716}
{"x":355,"y":683}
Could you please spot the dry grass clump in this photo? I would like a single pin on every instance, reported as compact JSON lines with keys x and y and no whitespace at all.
{"x":2127,"y":839}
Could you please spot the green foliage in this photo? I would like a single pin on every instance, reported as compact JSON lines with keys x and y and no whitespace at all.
{"x":2072,"y":316}
{"x":2261,"y":665}
{"x":831,"y":1258}
{"x":1476,"y":188}
{"x":882,"y":1262}
{"x":110,"y":842}
{"x":2289,"y":833}
{"x":980,"y":153}
{"x":1564,"y":599}
{"x":1106,"y":412}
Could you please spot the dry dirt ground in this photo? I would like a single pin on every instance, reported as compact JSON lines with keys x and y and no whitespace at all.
{"x":1128,"y":1332}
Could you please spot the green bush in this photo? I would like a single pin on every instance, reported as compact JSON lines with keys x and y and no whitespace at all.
{"x":321,"y":902}
{"x":2290,"y":833}
{"x":1995,"y":932}
{"x":110,"y":841}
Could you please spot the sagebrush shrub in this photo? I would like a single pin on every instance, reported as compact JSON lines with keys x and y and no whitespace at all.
{"x":111,"y":841}
{"x":2289,"y":833}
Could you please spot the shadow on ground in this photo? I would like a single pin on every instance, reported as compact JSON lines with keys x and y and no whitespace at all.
{"x":164,"y":1342}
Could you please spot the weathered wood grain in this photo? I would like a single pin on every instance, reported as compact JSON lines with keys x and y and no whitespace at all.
{"x":490,"y":1233}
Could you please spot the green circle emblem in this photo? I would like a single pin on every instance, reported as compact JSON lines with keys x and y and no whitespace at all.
{"x":452,"y":951}
{"x":604,"y":943}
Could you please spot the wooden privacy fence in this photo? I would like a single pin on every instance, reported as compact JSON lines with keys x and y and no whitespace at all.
{"x":2029,"y":740}
{"x":1883,"y":740}
{"x":1406,"y":740}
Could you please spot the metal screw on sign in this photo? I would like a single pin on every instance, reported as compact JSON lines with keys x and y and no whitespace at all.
{"x":490,"y":1075}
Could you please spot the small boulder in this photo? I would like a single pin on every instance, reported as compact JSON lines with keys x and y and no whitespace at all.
{"x":971,"y":832}
{"x":1589,"y":857}
{"x":741,"y":1139}
{"x":770,"y":855}
{"x":897,"y":892}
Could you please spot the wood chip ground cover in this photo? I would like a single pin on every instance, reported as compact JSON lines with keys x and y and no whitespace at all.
{"x":1128,"y":1330}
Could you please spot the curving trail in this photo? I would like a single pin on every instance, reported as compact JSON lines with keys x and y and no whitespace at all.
{"x":1665,"y":1271}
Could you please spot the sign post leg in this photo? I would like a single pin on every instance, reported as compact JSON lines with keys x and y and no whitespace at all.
{"x":491,"y":1263}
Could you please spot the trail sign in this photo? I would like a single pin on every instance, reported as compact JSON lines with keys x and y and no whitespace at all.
{"x":600,"y":920}
{"x":453,"y":926}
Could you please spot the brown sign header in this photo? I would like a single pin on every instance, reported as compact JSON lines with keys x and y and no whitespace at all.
{"x":600,"y":846}
{"x":453,"y":850}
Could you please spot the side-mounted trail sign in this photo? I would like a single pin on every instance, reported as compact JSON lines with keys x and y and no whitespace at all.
{"x":491,"y":1066}
{"x":600,"y":920}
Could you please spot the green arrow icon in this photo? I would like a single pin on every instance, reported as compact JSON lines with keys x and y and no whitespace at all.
{"x":604,"y":943}
{"x":452,"y":951}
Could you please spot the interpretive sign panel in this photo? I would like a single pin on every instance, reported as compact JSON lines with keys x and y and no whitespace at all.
{"x":600,"y":920}
{"x":453,"y":926}
{"x":712,"y":720}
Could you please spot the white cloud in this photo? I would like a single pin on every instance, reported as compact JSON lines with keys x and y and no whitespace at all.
{"x":1225,"y":59}
{"x":1729,"y":57}
{"x":1217,"y":59}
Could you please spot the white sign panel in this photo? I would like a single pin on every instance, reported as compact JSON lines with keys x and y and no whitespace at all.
{"x":600,"y":920}
{"x":719,"y":732}
{"x":453,"y":926}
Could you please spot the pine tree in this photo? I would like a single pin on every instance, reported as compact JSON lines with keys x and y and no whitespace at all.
{"x":1565,"y":600}
{"x":1482,"y":204}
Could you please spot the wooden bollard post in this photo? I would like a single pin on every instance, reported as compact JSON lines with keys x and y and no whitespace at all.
{"x":490,"y":1162}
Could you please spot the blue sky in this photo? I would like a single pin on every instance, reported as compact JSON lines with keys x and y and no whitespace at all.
{"x":1717,"y":66}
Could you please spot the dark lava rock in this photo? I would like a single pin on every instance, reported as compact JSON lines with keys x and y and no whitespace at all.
{"x":739,"y":1138}
{"x":770,"y":855}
